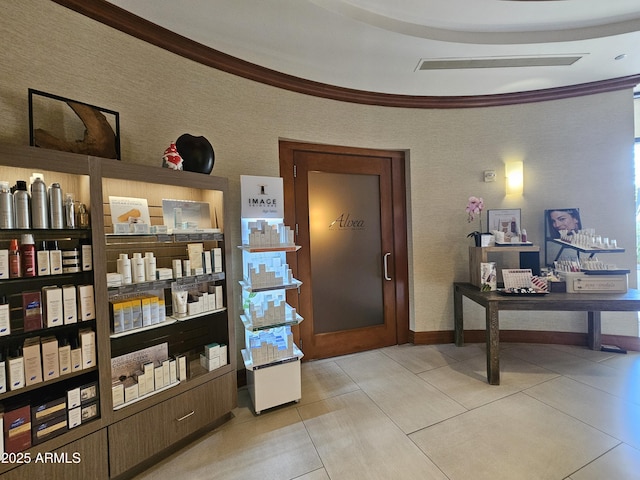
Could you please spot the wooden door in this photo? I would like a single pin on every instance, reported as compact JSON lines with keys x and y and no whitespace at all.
{"x":349,"y":264}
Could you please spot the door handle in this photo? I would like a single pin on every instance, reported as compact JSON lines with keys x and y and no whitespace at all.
{"x":385,"y":259}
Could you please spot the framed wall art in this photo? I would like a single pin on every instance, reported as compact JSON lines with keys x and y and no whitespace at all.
{"x":557,"y":219}
{"x":67,"y":125}
{"x":504,"y":220}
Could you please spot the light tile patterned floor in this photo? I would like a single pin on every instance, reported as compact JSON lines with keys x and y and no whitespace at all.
{"x":426,"y":412}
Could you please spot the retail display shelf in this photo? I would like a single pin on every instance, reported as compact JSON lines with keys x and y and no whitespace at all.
{"x":61,"y":378}
{"x":249,"y":365}
{"x":169,"y":321}
{"x":248,"y":325}
{"x":186,"y":318}
{"x":176,"y":237}
{"x":247,"y":286}
{"x":147,"y":395}
{"x":267,"y":248}
{"x":160,"y":284}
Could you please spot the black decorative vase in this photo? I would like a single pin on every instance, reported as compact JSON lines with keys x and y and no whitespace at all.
{"x":196,"y":152}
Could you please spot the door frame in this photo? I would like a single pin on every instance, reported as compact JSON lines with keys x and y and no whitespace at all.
{"x":287,"y":150}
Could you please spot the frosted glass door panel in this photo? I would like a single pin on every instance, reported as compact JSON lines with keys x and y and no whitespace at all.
{"x":345,"y":251}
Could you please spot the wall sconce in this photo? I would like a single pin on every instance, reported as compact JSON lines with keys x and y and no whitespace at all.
{"x":515,"y":178}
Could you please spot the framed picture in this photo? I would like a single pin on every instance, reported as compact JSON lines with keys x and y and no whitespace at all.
{"x":557,"y":219}
{"x":504,"y":220}
{"x":67,"y":125}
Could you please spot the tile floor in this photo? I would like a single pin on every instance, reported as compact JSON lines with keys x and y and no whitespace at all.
{"x":426,"y":412}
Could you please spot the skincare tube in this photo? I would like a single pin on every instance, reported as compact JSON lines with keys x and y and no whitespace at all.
{"x":180,"y":303}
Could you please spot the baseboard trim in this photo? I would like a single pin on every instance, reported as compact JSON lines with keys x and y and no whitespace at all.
{"x":523,"y":336}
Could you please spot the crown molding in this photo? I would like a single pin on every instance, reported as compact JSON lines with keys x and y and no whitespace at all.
{"x":126,"y":22}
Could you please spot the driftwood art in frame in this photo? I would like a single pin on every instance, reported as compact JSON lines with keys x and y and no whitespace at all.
{"x":101,"y":136}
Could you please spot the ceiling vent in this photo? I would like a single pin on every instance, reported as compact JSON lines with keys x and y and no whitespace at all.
{"x":497,"y":62}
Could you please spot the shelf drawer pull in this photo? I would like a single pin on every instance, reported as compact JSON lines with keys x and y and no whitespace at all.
{"x":186,"y":416}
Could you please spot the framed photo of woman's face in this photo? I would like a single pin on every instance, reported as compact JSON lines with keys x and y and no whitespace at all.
{"x":561,"y":219}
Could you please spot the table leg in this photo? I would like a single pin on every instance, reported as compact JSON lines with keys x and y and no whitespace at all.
{"x":458,"y":323}
{"x":594,"y":340}
{"x":493,"y":344}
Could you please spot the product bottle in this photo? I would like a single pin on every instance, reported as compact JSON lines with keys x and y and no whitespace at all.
{"x":22,"y":205}
{"x":150,"y":266}
{"x":56,"y":210}
{"x":69,"y":211}
{"x":83,"y":216}
{"x":6,"y":206}
{"x":124,"y":268}
{"x":15,"y":261}
{"x":137,"y":268}
{"x":39,"y":208}
{"x":523,"y":236}
{"x":42,"y":259}
{"x":55,"y":258}
{"x":28,"y":253}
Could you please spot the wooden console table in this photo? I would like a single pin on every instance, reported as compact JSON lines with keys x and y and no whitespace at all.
{"x":493,"y":302}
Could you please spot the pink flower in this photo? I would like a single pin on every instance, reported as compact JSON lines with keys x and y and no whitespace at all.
{"x":474,"y":207}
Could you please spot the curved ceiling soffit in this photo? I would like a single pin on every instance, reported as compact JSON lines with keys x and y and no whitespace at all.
{"x":548,"y":35}
{"x":120,"y":19}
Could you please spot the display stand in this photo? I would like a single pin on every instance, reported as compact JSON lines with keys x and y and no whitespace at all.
{"x":270,"y":356}
{"x":529,"y":256}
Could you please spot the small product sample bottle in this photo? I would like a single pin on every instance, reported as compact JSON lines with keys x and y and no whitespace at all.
{"x":22,"y":205}
{"x":55,"y":258}
{"x":42,"y":259}
{"x":6,"y":206}
{"x":15,"y":260}
{"x":69,"y":211}
{"x":28,"y":253}
{"x":523,"y":236}
{"x":83,"y":216}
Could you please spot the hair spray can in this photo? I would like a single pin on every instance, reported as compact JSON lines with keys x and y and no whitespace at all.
{"x":6,"y":206}
{"x":22,"y":205}
{"x":56,"y":211}
{"x":39,"y":209}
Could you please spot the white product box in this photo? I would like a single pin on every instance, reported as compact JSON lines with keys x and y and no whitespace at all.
{"x":73,"y":398}
{"x":88,"y":347}
{"x":69,"y":304}
{"x":131,"y":391}
{"x":53,"y":306}
{"x":158,"y":376}
{"x":117,"y":392}
{"x":580,"y":282}
{"x":86,"y":303}
{"x":209,"y":363}
{"x":149,"y":377}
{"x":212,"y":351}
{"x":75,"y":417}
{"x":219,"y":297}
{"x":173,"y":372}
{"x":32,"y":366}
{"x":50,"y":358}
{"x":217,"y":260}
